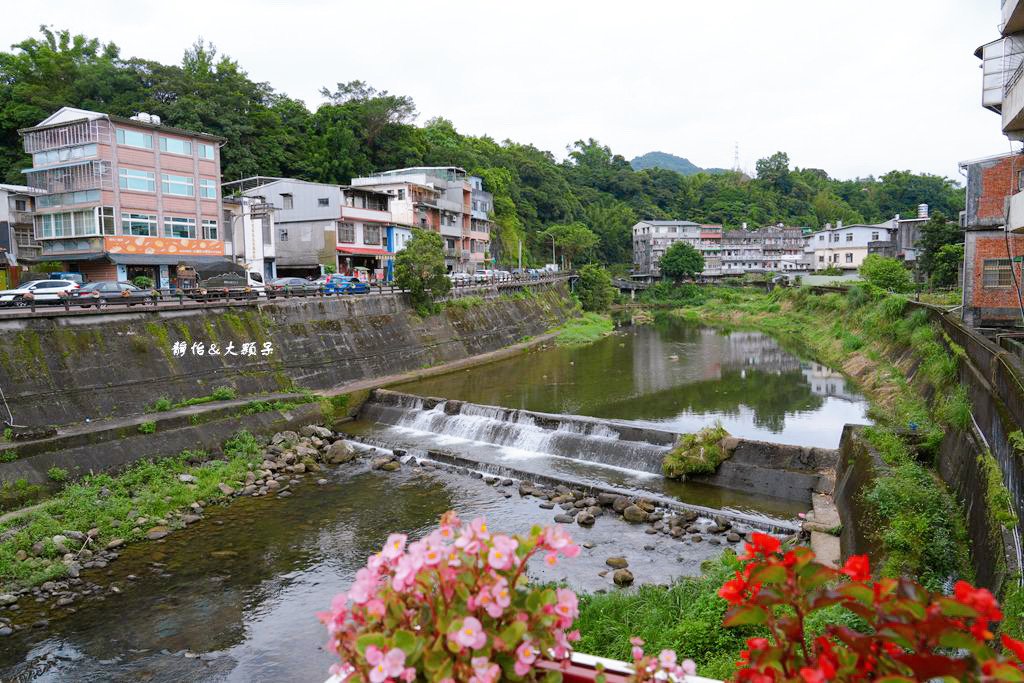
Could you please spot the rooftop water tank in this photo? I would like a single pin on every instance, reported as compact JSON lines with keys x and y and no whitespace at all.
{"x":922,"y":211}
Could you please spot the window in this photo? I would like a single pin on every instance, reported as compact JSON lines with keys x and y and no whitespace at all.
{"x":176,"y":146}
{"x":282,"y":235}
{"x":106,"y":215}
{"x":134,"y":138}
{"x":323,"y":201}
{"x":347,"y":232}
{"x":209,"y":230}
{"x":82,"y":197}
{"x":874,"y":237}
{"x":287,"y":201}
{"x":54,"y":156}
{"x":371,"y":234}
{"x":849,"y":258}
{"x":996,"y":273}
{"x":20,"y":205}
{"x":207,"y":188}
{"x":849,"y":237}
{"x":141,"y":224}
{"x":178,"y":185}
{"x":401,"y":194}
{"x":184,"y":228}
{"x":205,"y":151}
{"x":133,"y":179}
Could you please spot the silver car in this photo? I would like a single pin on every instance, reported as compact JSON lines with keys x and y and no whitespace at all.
{"x":40,"y":291}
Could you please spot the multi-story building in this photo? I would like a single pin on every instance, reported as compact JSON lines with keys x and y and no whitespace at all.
{"x":18,"y":246}
{"x":321,"y":225}
{"x":121,"y":197}
{"x":846,"y":246}
{"x":651,"y":239}
{"x":783,"y":248}
{"x":994,"y":215}
{"x":397,"y":238}
{"x":742,"y":252}
{"x":249,"y":234}
{"x":442,"y":199}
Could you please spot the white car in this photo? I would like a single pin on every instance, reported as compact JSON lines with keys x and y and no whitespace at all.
{"x":42,"y":291}
{"x":459,"y":278}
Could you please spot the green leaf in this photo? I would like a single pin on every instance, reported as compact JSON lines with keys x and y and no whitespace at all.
{"x":368,"y":639}
{"x":746,"y":615}
{"x":408,"y":643}
{"x":769,"y":574}
{"x":512,"y":634}
{"x":858,"y":592}
{"x":553,"y":677}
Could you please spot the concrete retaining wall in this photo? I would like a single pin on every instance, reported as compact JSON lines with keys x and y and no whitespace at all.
{"x":62,"y":370}
{"x":776,"y":470}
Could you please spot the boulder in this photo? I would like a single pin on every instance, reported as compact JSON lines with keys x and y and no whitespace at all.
{"x":617,"y":562}
{"x":733,"y":537}
{"x":340,"y":452}
{"x":565,"y":519}
{"x":634,"y":515}
{"x":391,"y":466}
{"x":317,"y":431}
{"x":606,"y":499}
{"x":645,"y":505}
{"x":287,"y":437}
{"x":157,"y":532}
{"x":620,"y":504}
{"x":225,"y":489}
{"x":722,"y":523}
{"x":622,"y":577}
{"x":585,"y":519}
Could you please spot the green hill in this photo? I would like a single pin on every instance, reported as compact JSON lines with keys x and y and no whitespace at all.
{"x":670,"y":162}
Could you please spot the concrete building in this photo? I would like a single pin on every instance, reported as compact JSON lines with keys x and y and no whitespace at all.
{"x":846,"y":246}
{"x":320,"y":225}
{"x":742,"y":252}
{"x":772,"y":249}
{"x":442,"y":199}
{"x":249,"y":234}
{"x":121,"y":197}
{"x":651,"y":239}
{"x":18,"y":246}
{"x":783,"y":248}
{"x":397,"y":238}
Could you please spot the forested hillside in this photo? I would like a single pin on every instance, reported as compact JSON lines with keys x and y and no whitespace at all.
{"x":670,"y":162}
{"x":357,"y":130}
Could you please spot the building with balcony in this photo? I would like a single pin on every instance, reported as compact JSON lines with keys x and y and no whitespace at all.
{"x":18,"y":246}
{"x":846,"y":246}
{"x":321,"y":225}
{"x":121,"y":197}
{"x":651,"y":239}
{"x":443,"y":199}
{"x":742,"y":252}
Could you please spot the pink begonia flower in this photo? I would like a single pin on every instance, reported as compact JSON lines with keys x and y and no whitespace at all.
{"x":394,"y":662}
{"x":376,"y":607}
{"x":571,"y":550}
{"x":470,"y":634}
{"x":484,"y":671}
{"x":503,"y":553}
{"x":394,"y":547}
{"x":667,"y":659}
{"x":567,"y":606}
{"x":432,"y":557}
{"x":374,"y":655}
{"x":551,"y":559}
{"x":479,"y":527}
{"x":409,"y":675}
{"x":468,"y":542}
{"x":689,"y":667}
{"x":526,"y":655}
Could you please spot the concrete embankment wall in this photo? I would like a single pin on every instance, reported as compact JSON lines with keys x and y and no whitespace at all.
{"x":62,"y":370}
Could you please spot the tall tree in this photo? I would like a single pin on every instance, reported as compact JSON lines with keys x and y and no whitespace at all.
{"x":681,"y":261}
{"x":575,"y":241}
{"x":420,"y":269}
{"x":935,"y":234}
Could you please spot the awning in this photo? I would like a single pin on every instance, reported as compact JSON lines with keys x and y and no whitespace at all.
{"x":160,"y":259}
{"x":365,"y":251}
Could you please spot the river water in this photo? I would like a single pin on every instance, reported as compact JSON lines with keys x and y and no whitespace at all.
{"x":234,"y":597}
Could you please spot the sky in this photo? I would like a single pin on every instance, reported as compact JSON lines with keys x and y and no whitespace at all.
{"x":855,"y":88}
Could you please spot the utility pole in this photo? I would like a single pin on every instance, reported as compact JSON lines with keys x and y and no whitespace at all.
{"x":553,"y":250}
{"x":520,"y":255}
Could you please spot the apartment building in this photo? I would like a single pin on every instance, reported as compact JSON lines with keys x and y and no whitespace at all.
{"x":443,"y":199}
{"x":18,"y":246}
{"x":742,"y":252}
{"x":775,"y":248}
{"x":121,"y":197}
{"x":994,"y":215}
{"x":651,"y":239}
{"x":846,"y":246}
{"x":321,"y":225}
{"x":249,"y":234}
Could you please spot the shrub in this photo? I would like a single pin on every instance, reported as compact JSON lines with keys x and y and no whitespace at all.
{"x":147,"y":427}
{"x":223,"y":394}
{"x":162,"y":405}
{"x":420,"y":269}
{"x":57,"y":474}
{"x":594,"y":289}
{"x":142,"y":281}
{"x":8,"y":434}
{"x":887,"y":273}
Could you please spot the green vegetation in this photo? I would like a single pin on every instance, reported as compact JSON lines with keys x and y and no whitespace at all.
{"x":574,"y":240}
{"x":57,"y":474}
{"x":670,"y":294}
{"x":420,"y":269}
{"x":594,"y":289}
{"x":586,"y":329}
{"x":464,"y":302}
{"x":162,"y":405}
{"x":997,"y":497}
{"x":682,"y":261}
{"x":887,"y":273}
{"x":147,"y":427}
{"x":19,"y":494}
{"x":941,"y":242}
{"x":254,"y":407}
{"x":103,"y":501}
{"x":142,"y":281}
{"x":699,"y":453}
{"x":8,"y":434}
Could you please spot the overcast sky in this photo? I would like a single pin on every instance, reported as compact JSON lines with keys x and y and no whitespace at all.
{"x":855,"y":88}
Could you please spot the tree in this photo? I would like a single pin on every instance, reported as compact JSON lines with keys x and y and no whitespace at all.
{"x":420,"y":269}
{"x":575,"y":240}
{"x":682,"y":261}
{"x":887,"y":273}
{"x":935,"y":234}
{"x":774,"y":170}
{"x":946,"y":265}
{"x":594,"y":288}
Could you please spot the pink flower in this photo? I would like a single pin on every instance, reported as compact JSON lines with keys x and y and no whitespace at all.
{"x":432,"y":557}
{"x":667,"y":659}
{"x":502,"y":554}
{"x":470,"y":634}
{"x":375,"y":607}
{"x":571,"y":550}
{"x":689,"y":667}
{"x":526,"y":655}
{"x":551,"y":559}
{"x":484,"y":671}
{"x":409,"y":675}
{"x":394,"y":662}
{"x":567,"y":606}
{"x":479,"y":527}
{"x":394,"y":546}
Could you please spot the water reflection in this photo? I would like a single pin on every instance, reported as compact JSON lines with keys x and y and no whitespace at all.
{"x":675,"y":375}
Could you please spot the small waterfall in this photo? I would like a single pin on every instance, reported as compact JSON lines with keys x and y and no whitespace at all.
{"x":559,"y":435}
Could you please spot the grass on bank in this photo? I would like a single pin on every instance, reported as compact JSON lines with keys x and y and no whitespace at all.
{"x":104,"y":502}
{"x":585,"y":329}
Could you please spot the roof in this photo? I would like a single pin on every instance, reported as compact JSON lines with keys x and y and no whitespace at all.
{"x":676,"y":223}
{"x":365,"y":251}
{"x":21,"y":189}
{"x":66,"y":115}
{"x":994,"y":157}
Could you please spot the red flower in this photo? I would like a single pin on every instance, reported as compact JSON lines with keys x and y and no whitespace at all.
{"x":1014,"y":646}
{"x":810,"y":675}
{"x":858,"y":568}
{"x":732,"y":591}
{"x":979,"y":599}
{"x":757,"y":643}
{"x":762,"y":544}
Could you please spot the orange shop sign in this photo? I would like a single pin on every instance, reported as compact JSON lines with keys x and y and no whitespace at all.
{"x":127,"y":244}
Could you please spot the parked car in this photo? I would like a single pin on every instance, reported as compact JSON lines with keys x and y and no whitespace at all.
{"x":502,"y":275}
{"x":483,"y":275}
{"x":104,"y":290}
{"x":322,"y":280}
{"x":42,"y":291}
{"x":460,"y":278}
{"x":345,"y":284}
{"x":277,"y":286}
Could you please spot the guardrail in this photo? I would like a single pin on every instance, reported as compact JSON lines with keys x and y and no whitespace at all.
{"x":176,"y":298}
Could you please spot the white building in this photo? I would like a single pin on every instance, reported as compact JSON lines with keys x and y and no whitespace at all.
{"x":846,"y":247}
{"x":651,"y":239}
{"x":249,"y":234}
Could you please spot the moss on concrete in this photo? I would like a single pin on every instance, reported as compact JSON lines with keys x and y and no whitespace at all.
{"x":699,"y":453}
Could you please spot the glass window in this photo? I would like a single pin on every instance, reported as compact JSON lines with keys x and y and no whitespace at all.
{"x":106,"y":215}
{"x":178,"y":185}
{"x":134,"y":138}
{"x":323,"y":201}
{"x":371,"y":234}
{"x":140,"y":224}
{"x":184,"y":228}
{"x":401,"y":194}
{"x":134,"y":179}
{"x":176,"y":146}
{"x":347,"y":232}
{"x":849,"y":237}
{"x":874,"y":237}
{"x":287,"y":201}
{"x":205,"y":151}
{"x":207,"y":188}
{"x":849,"y":258}
{"x":996,"y":272}
{"x":282,"y":235}
{"x":209,"y":230}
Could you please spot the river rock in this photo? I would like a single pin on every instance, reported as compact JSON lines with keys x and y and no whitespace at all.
{"x":249,"y":490}
{"x":676,"y":531}
{"x":305,"y":452}
{"x":729,"y":444}
{"x":696,"y":538}
{"x":390,"y":465}
{"x":74,"y":569}
{"x":317,"y":431}
{"x":565,"y":519}
{"x":21,"y":556}
{"x":157,"y":533}
{"x":606,"y":499}
{"x":634,"y":515}
{"x":733,"y":537}
{"x":722,"y":523}
{"x":286,"y":437}
{"x":250,"y":478}
{"x":38,"y":547}
{"x":585,"y":519}
{"x":7,"y":599}
{"x":321,"y":482}
{"x":622,"y":577}
{"x":617,"y":562}
{"x":299,"y":468}
{"x":620,"y":504}
{"x":715,"y":541}
{"x":340,"y":452}
{"x":76,"y":536}
{"x":646,"y":505}
{"x":284,"y":494}
{"x":273,"y":485}
{"x":225,"y":489}
{"x":547,"y":505}
{"x":186,"y":479}
{"x":5,"y":631}
{"x":190,"y":519}
{"x":115,"y":543}
{"x":587,"y":544}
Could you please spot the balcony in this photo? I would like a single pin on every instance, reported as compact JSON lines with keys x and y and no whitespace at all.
{"x":1013,"y":17}
{"x":66,"y":135}
{"x":20,"y":218}
{"x":84,"y":175}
